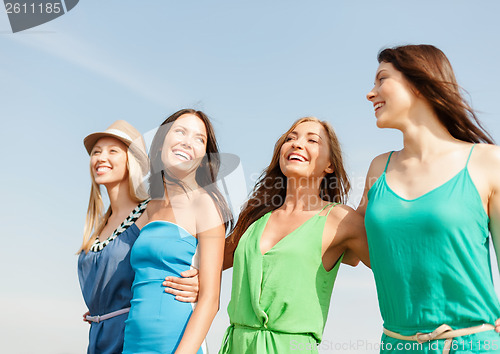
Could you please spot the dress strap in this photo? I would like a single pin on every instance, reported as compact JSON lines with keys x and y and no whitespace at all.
{"x":333,"y":206}
{"x":388,"y":159}
{"x":470,"y":153}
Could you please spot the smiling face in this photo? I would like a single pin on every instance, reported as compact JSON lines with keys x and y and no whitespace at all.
{"x":392,"y":97}
{"x":185,"y":145}
{"x":305,"y":152}
{"x":108,"y":161}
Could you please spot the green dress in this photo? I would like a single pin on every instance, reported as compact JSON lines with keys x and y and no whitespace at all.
{"x":279,"y":300}
{"x":431,"y":261}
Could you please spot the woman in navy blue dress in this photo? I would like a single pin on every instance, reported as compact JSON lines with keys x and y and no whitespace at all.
{"x":118,"y":161}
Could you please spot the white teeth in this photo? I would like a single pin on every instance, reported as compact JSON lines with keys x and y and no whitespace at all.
{"x":296,"y":157}
{"x":378,"y":105}
{"x":183,"y":155}
{"x":103,"y":168}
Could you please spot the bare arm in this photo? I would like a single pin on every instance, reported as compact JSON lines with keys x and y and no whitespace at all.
{"x":211,"y":250}
{"x":493,"y":172}
{"x":357,"y":244}
{"x":494,"y":211}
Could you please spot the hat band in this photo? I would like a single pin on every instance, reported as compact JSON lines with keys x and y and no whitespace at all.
{"x":119,"y":133}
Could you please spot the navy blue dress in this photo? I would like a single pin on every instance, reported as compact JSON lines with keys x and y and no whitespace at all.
{"x":106,"y":278}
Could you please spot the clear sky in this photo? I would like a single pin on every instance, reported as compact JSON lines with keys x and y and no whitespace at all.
{"x":254,"y":67}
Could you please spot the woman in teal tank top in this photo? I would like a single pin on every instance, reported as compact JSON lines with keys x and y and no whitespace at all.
{"x":290,"y":239}
{"x":429,"y":209}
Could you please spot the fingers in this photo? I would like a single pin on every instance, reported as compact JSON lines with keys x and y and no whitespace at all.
{"x":190,"y":273}
{"x":178,"y":285}
{"x":497,"y":325}
{"x":189,"y":284}
{"x":184,"y":296}
{"x":85,"y":317}
{"x":178,"y":281}
{"x":185,"y":299}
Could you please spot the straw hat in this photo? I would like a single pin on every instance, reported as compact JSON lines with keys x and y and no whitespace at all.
{"x":128,"y":135}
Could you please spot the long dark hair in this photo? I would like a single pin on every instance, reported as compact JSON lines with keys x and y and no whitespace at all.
{"x":429,"y":71}
{"x":206,"y":173}
{"x":270,"y":189}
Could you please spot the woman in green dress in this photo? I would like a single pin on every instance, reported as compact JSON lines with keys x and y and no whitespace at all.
{"x":429,"y":209}
{"x":288,"y":243}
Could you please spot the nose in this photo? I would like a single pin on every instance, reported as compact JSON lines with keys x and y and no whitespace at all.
{"x":186,"y":141}
{"x":103,"y":156}
{"x":297,"y":144}
{"x":371,"y":95}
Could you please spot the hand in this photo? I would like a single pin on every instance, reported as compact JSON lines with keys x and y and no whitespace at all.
{"x":85,"y":317}
{"x":186,"y":288}
{"x":497,"y":325}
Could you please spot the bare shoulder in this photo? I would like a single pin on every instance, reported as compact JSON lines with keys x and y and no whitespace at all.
{"x":207,"y":213}
{"x":346,"y":220}
{"x":345,"y":212}
{"x":484,"y":169}
{"x":143,"y":219}
{"x":378,"y":164}
{"x":153,"y":207}
{"x":485,"y":161}
{"x":487,"y":154}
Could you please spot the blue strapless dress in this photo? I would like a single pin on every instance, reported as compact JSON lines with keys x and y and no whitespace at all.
{"x":157,"y":321}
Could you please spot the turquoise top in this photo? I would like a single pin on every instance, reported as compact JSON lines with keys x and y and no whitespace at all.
{"x":430,"y":256}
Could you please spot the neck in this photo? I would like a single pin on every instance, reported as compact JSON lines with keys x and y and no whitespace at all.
{"x":173,"y":190}
{"x":302,"y":194}
{"x":425,"y":135}
{"x":119,"y":197}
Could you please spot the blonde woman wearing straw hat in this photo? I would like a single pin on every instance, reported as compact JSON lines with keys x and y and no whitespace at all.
{"x":118,"y":161}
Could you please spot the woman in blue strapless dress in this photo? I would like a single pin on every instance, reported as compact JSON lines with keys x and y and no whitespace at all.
{"x":187,"y":221}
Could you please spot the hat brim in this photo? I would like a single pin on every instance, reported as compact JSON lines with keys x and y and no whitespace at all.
{"x":91,"y":139}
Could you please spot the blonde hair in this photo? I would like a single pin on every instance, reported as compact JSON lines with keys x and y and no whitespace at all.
{"x":96,"y":218}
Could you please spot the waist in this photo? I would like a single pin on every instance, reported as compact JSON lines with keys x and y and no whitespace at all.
{"x":444,"y":332}
{"x":266,"y":328}
{"x":100,"y":318}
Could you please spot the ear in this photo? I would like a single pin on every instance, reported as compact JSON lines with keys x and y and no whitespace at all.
{"x":329,"y":169}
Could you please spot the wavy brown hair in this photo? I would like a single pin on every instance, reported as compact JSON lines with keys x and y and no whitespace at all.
{"x":270,"y":189}
{"x":206,"y":173}
{"x":429,"y":71}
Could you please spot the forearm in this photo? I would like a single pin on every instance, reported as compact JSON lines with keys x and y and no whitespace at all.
{"x":198,"y":325}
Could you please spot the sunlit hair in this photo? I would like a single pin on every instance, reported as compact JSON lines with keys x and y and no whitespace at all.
{"x":428,"y":70}
{"x":96,"y":217}
{"x":206,"y":173}
{"x":270,"y":189}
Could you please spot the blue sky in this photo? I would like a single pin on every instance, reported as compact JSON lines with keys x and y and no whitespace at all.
{"x":253,"y":66}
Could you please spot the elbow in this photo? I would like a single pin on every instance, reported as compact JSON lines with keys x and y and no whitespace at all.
{"x":351,"y":262}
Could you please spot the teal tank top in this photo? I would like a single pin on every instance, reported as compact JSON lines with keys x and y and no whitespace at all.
{"x":430,"y":256}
